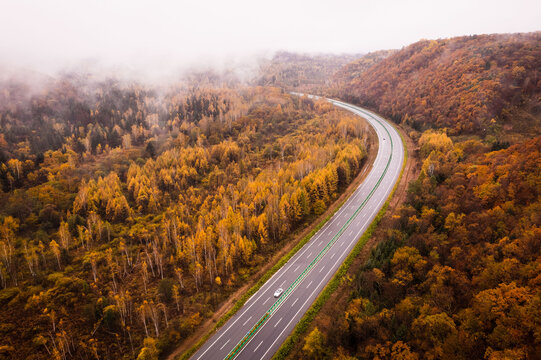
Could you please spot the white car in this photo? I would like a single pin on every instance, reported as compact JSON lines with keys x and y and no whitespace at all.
{"x":278,"y":292}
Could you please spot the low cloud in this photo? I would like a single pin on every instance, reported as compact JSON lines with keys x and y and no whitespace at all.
{"x":159,"y":40}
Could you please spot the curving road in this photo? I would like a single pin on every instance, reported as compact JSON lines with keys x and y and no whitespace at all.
{"x":258,"y":329}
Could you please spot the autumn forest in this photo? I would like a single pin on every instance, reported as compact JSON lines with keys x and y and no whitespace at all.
{"x":130,"y":212}
{"x":455,"y":271}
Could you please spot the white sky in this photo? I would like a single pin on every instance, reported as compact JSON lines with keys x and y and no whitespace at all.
{"x":162,"y":35}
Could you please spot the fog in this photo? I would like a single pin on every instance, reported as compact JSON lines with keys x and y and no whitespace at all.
{"x":161,"y":38}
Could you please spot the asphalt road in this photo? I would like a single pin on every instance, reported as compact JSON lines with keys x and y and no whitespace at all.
{"x":305,"y":275}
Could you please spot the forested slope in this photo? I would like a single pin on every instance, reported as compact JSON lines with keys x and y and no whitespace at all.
{"x":350,"y":72}
{"x":130,"y":212}
{"x":456,"y":274}
{"x":301,"y":72}
{"x":467,"y":84}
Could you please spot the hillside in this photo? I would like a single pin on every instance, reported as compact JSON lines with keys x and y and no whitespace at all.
{"x":348,"y":73}
{"x":455,"y":272}
{"x":301,"y":72}
{"x":456,"y":275}
{"x":473,"y":84}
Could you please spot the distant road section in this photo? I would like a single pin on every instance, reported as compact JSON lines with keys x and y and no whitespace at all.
{"x":264,"y":322}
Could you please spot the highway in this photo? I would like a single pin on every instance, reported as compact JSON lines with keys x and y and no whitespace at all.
{"x":258,"y":329}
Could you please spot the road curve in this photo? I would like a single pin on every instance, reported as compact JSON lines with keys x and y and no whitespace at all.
{"x":258,"y":329}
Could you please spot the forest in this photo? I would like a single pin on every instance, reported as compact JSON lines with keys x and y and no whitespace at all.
{"x":351,"y":71}
{"x":455,"y":274}
{"x":301,"y":72}
{"x":130,"y":212}
{"x":469,"y":85}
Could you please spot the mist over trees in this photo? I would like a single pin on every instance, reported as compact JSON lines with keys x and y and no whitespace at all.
{"x":131,"y":213}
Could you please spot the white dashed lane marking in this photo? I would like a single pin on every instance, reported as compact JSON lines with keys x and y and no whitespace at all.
{"x":225,"y":344}
{"x":257,"y":347}
{"x":246,"y":322}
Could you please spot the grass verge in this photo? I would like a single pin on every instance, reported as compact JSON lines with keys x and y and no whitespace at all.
{"x":337,"y":279}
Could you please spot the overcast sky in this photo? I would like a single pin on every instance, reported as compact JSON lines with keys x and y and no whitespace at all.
{"x":162,"y":35}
